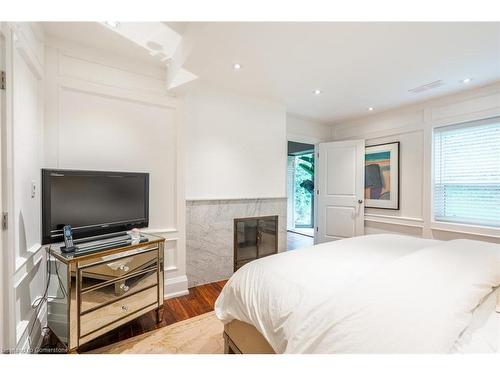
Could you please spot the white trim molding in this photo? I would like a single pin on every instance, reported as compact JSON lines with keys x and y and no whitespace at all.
{"x":395,"y":220}
{"x":25,"y":269}
{"x":176,"y":287}
{"x":76,"y":68}
{"x":207,"y":199}
{"x":412,"y":124}
{"x":478,"y":230}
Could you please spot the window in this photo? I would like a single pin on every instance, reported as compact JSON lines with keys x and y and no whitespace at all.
{"x":467,"y":173}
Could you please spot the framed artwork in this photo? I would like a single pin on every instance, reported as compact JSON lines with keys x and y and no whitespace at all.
{"x":382,"y":176}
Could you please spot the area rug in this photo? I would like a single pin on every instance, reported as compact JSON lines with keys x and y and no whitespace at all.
{"x":198,"y":335}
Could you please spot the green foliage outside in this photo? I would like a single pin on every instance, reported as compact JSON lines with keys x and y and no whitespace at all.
{"x":304,"y":189}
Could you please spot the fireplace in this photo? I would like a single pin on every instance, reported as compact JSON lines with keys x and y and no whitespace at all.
{"x":254,"y":237}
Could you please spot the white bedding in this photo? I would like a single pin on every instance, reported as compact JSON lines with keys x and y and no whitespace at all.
{"x":483,"y":333}
{"x":379,"y":293}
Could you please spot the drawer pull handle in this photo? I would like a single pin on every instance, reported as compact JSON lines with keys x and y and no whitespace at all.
{"x":124,"y":308}
{"x":124,"y":287}
{"x":124,"y":268}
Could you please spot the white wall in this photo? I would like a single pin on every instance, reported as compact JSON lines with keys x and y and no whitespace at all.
{"x":22,"y":161}
{"x":412,"y":126}
{"x":235,"y":146}
{"x":103,"y":113}
{"x":299,"y":129}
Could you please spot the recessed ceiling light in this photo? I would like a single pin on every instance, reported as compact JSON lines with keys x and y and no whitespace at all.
{"x":113,"y":24}
{"x":317,"y":92}
{"x":466,"y":80}
{"x":370,"y":108}
{"x":236,"y":66}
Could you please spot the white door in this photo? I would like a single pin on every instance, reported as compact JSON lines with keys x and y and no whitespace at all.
{"x":340,"y":190}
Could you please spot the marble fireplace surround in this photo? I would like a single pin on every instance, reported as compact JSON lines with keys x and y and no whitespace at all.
{"x":209,"y":234}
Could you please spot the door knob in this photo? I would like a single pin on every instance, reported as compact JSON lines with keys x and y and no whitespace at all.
{"x":360,"y":201}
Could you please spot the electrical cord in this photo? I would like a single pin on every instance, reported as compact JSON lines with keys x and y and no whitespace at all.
{"x":38,"y":302}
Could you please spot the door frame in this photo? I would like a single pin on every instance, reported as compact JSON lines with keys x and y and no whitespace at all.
{"x":313,"y":141}
{"x":313,"y":222}
{"x":6,"y":236}
{"x":7,"y":29}
{"x":3,"y":263}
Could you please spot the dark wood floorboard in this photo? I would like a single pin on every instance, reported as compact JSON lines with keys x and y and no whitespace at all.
{"x":200,"y":300}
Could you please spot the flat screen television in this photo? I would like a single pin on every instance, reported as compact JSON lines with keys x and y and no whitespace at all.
{"x":92,"y":202}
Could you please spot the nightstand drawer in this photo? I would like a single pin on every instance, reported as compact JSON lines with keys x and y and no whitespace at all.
{"x":118,"y":267}
{"x":103,"y":316}
{"x":115,"y":289}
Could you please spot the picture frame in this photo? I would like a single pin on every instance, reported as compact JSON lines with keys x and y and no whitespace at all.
{"x":382,"y":176}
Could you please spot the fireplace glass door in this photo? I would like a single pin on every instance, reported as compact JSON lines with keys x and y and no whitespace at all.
{"x":254,"y":238}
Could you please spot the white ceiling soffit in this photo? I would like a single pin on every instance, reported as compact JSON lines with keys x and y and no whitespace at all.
{"x":162,"y":42}
{"x":177,"y":75}
{"x":181,"y":77}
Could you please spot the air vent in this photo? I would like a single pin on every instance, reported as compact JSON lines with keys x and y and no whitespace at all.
{"x":427,"y":86}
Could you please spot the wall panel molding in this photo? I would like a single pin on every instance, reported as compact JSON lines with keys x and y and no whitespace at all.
{"x":77,"y":70}
{"x":417,"y":122}
{"x":94,"y":72}
{"x":472,"y":108}
{"x":22,"y":140}
{"x":75,"y":84}
{"x":395,"y":220}
{"x":23,"y":334}
{"x":105,"y":58}
{"x":24,"y":265}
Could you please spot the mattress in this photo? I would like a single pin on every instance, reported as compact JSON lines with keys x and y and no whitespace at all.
{"x":369,"y":294}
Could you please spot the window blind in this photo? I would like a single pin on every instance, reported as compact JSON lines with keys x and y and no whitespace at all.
{"x":467,"y":173}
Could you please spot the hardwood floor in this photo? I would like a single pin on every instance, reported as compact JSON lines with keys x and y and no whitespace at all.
{"x":200,"y":300}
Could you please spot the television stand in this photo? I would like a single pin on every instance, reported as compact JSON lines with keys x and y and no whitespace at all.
{"x":93,"y":292}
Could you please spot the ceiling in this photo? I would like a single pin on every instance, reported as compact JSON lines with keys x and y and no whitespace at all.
{"x":355,"y":65}
{"x":94,"y":34}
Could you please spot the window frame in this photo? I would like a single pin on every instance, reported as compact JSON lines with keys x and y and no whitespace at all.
{"x":451,"y":226}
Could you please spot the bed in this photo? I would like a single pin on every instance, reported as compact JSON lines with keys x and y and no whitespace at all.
{"x":370,"y":294}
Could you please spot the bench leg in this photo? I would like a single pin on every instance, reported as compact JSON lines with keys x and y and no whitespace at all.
{"x":229,"y":346}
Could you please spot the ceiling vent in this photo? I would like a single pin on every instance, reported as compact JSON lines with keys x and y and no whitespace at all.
{"x":427,"y":86}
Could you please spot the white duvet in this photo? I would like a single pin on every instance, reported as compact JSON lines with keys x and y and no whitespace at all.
{"x":369,"y":294}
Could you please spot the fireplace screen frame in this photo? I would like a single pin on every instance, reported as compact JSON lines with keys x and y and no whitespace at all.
{"x":258,"y":239}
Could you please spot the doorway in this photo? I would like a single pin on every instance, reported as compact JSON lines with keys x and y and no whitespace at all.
{"x":300,"y":189}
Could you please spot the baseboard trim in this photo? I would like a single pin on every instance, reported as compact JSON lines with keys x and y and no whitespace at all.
{"x":175,"y":287}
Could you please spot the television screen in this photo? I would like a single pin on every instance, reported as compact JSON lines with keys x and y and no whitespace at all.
{"x":92,"y":202}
